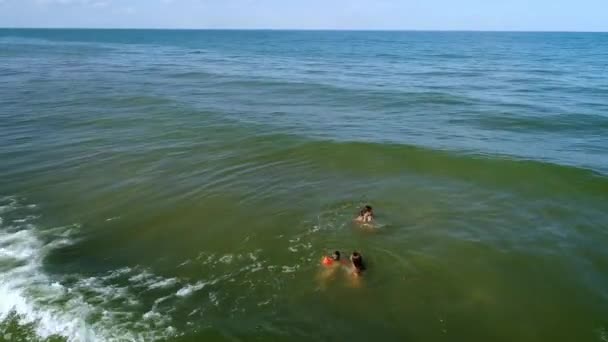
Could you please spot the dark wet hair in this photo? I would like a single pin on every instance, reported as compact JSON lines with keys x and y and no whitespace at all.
{"x":357,"y":261}
{"x":336,"y":255}
{"x":368,"y":208}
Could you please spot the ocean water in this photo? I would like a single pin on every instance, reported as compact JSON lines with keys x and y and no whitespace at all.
{"x":183,"y":185}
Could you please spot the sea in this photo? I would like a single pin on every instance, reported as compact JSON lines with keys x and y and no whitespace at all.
{"x":183,"y":185}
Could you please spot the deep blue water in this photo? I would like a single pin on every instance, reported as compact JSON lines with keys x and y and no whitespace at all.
{"x":532,"y":95}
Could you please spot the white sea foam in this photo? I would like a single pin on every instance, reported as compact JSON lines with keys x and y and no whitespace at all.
{"x":264,"y":303}
{"x":185,"y":263}
{"x":256,"y":267}
{"x":83,"y":308}
{"x":163,"y":283}
{"x":147,"y":279}
{"x":8,"y":204}
{"x":205,"y":258}
{"x":119,"y":272}
{"x":603,"y":334}
{"x":226,"y":259}
{"x":161,"y":300}
{"x":28,"y":290}
{"x":142,"y":276}
{"x":189,"y":289}
{"x":213,"y":298}
{"x":23,"y":246}
{"x":152,"y":315}
{"x":290,"y":269}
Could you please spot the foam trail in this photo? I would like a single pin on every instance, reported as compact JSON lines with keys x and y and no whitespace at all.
{"x":21,"y":247}
{"x":30,"y":292}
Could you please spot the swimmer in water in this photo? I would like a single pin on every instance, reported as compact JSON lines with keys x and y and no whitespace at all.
{"x":357,"y":263}
{"x":331,"y":264}
{"x":334,"y":259}
{"x":366,"y":214}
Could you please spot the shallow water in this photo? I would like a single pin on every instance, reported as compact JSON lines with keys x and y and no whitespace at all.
{"x":183,"y":185}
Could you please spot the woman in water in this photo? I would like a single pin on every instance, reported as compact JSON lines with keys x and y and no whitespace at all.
{"x":366,"y":215}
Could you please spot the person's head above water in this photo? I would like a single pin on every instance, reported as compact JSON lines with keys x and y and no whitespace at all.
{"x":329,"y":260}
{"x":366,"y":210}
{"x":357,"y":261}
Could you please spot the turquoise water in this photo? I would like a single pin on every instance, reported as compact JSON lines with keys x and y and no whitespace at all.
{"x":183,"y":185}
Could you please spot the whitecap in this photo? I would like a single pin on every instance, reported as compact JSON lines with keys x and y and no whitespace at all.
{"x":32,"y":294}
{"x":189,"y":289}
{"x":256,"y":267}
{"x":152,"y":315}
{"x":162,"y":283}
{"x":213,"y":298}
{"x":161,"y":299}
{"x":24,"y":246}
{"x":264,"y":303}
{"x":141,"y":277}
{"x":226,"y":259}
{"x":184,"y":263}
{"x":290,"y":269}
{"x":119,"y":272}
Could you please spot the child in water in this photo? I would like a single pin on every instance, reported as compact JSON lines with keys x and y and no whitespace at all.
{"x":357,"y":264}
{"x":331,"y":263}
{"x":366,"y":215}
{"x":331,"y":260}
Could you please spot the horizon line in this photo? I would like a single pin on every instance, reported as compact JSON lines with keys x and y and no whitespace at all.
{"x":292,"y":29}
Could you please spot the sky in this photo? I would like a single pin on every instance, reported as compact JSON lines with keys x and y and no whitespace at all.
{"x":495,"y":15}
